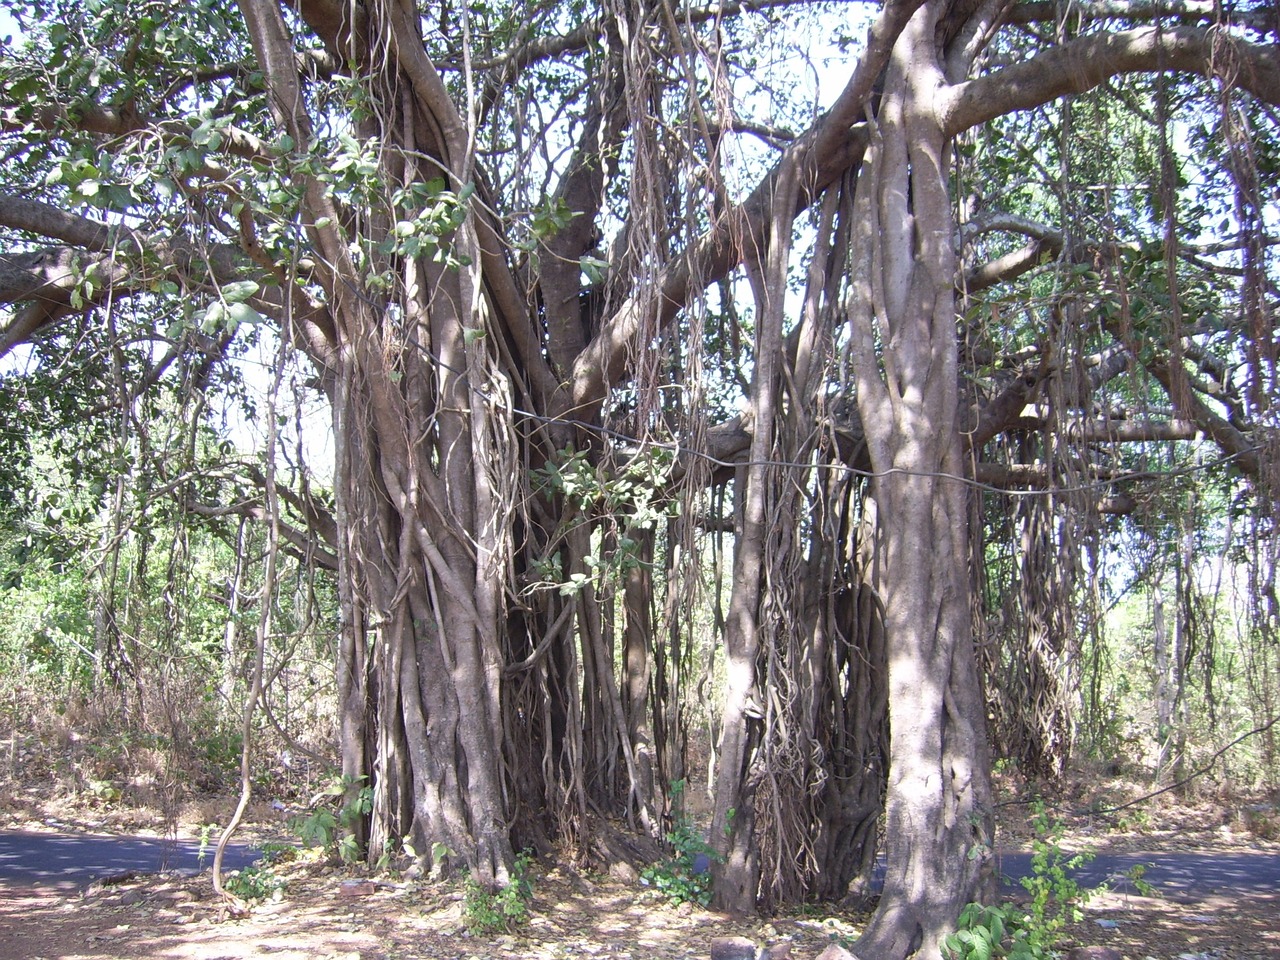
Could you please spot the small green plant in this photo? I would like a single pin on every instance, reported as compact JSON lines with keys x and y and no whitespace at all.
{"x":685,"y":877}
{"x":274,"y":851}
{"x":206,"y":841}
{"x":254,"y":883}
{"x":487,"y":911}
{"x":104,"y":791}
{"x":1137,"y":876}
{"x":984,"y":932}
{"x":335,"y":831}
{"x":1056,"y":899}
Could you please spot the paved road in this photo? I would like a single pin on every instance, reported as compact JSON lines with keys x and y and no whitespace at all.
{"x":73,"y":861}
{"x":1177,"y":875}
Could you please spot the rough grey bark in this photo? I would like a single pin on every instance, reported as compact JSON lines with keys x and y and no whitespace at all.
{"x":938,"y":826}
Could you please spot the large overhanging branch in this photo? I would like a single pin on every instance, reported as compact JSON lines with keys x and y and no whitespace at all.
{"x":1048,"y":243}
{"x":1011,"y":265}
{"x":108,"y":121}
{"x":39,"y":218}
{"x":318,"y":518}
{"x":1231,"y":441}
{"x":1135,"y":11}
{"x":836,"y":142}
{"x":303,"y":544}
{"x":1084,"y":63}
{"x":50,"y":275}
{"x":816,"y":159}
{"x":1121,"y":431}
{"x":123,"y":262}
{"x":1035,"y":478}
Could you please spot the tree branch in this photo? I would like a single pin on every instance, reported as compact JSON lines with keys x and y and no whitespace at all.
{"x":822,"y":154}
{"x":115,"y":123}
{"x":47,"y":280}
{"x":1084,"y":63}
{"x":36,"y":217}
{"x":303,"y":544}
{"x":1180,"y":11}
{"x":1012,"y":265}
{"x":544,"y":48}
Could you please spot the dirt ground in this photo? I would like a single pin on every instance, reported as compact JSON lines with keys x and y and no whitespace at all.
{"x":329,"y":912}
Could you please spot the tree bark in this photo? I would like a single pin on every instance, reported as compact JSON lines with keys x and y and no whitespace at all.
{"x":938,"y":807}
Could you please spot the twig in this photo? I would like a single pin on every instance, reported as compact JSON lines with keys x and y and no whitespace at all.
{"x":1191,"y":776}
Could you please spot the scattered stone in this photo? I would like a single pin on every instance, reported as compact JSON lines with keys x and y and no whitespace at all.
{"x":732,"y":948}
{"x":357,"y":888}
{"x":779,"y":951}
{"x":835,"y":952}
{"x":1107,"y":924}
{"x":1094,"y":953}
{"x":131,"y":897}
{"x":623,"y":872}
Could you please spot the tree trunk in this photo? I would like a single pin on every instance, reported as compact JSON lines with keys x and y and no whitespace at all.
{"x":902,"y":311}
{"x":1164,"y":682}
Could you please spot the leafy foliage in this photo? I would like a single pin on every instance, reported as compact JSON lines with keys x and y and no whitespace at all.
{"x":486,"y":911}
{"x":987,"y":931}
{"x":333,"y":831}
{"x":685,"y":877}
{"x":254,"y":882}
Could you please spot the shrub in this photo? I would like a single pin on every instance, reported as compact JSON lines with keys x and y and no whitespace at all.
{"x":1006,"y":930}
{"x":486,"y":911}
{"x":685,"y":877}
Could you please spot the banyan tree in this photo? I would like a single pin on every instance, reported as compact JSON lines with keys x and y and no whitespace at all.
{"x":652,"y":381}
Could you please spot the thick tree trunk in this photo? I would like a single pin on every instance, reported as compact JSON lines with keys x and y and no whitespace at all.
{"x":425,"y":452}
{"x":902,"y":310}
{"x":938,"y":809}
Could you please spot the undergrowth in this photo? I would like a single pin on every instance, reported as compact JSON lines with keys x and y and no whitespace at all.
{"x":686,"y":876}
{"x":986,"y":931}
{"x":487,"y":911}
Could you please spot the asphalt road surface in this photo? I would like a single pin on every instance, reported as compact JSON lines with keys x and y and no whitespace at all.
{"x":1177,"y":875}
{"x":72,"y":861}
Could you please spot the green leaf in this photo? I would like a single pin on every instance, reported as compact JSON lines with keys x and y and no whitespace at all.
{"x":243,"y":313}
{"x":214,"y":316}
{"x":240,"y":290}
{"x":204,"y":135}
{"x":594,"y":268}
